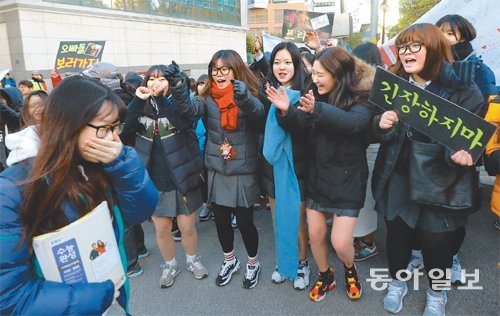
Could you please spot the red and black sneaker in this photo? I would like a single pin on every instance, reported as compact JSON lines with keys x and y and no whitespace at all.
{"x":325,"y":283}
{"x":353,"y":285}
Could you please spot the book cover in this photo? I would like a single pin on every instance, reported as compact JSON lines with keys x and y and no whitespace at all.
{"x":82,"y":252}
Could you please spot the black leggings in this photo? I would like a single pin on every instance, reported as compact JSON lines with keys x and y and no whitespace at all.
{"x":458,"y":240}
{"x":244,"y":219}
{"x":437,"y":248}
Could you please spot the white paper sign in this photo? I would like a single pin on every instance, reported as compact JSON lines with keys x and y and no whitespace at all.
{"x":320,"y":21}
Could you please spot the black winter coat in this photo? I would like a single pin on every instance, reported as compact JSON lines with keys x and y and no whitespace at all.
{"x":337,"y":170}
{"x":244,"y":138}
{"x":394,"y":144}
{"x":178,"y":141}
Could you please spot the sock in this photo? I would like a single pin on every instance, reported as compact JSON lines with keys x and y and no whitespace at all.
{"x":349,"y":268}
{"x":369,"y":244}
{"x":229,"y":257}
{"x":190,"y":258}
{"x":326,"y":273}
{"x":303,"y":263}
{"x":351,"y":271}
{"x":416,"y":253}
{"x":253,"y":261}
{"x":171,"y":263}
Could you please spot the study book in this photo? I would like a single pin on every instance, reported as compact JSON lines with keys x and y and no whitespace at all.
{"x":84,"y":251}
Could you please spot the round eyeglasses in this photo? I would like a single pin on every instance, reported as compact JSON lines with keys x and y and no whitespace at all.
{"x":414,"y":47}
{"x":224,"y":70}
{"x":103,"y":131}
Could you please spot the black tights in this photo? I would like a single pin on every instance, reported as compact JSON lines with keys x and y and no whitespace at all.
{"x":244,"y":219}
{"x":458,"y":240}
{"x":437,"y":248}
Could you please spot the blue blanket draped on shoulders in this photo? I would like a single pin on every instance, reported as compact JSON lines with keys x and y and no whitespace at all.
{"x":278,"y":152}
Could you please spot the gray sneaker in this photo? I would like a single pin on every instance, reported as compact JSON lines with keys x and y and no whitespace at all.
{"x":198,"y":269}
{"x":168,"y":275}
{"x":393,"y":300}
{"x":436,"y":303}
{"x":205,"y":213}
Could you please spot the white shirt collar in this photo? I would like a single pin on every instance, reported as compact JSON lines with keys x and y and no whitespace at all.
{"x":423,"y":86}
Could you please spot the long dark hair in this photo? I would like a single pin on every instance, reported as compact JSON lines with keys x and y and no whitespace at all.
{"x":438,"y":50}
{"x":342,"y":66}
{"x":241,"y":72}
{"x":299,"y":75}
{"x":55,"y":177}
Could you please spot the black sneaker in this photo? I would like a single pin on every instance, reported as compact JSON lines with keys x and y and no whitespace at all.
{"x":177,"y":235}
{"x":251,"y":277}
{"x":226,"y":272}
{"x":135,"y":270}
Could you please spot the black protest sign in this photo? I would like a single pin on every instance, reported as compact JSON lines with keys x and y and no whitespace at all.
{"x":440,"y":119}
{"x":297,"y":23}
{"x":76,"y":56}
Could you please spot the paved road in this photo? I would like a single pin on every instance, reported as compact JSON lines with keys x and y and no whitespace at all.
{"x":202,"y":297}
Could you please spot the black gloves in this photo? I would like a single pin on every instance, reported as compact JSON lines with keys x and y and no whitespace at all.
{"x":240,"y":90}
{"x":173,"y":74}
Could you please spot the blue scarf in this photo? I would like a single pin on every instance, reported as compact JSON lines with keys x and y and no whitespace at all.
{"x":278,"y":152}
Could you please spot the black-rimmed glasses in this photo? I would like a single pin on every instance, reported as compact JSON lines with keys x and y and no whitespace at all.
{"x":224,"y":70}
{"x":414,"y":47}
{"x":103,"y":131}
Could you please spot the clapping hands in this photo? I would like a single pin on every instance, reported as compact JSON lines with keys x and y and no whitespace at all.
{"x":279,"y":98}
{"x":307,"y":102}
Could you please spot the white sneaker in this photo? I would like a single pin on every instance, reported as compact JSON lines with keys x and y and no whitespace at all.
{"x":302,"y":280}
{"x":393,"y":300}
{"x":276,"y":277}
{"x":436,"y":303}
{"x":456,"y":272}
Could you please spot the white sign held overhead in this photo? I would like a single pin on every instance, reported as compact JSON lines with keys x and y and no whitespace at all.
{"x":483,"y":14}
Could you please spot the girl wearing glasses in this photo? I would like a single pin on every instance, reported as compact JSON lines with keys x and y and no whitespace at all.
{"x":287,"y":70}
{"x":424,"y":59}
{"x":334,"y":117}
{"x":68,"y":177}
{"x":168,"y":148}
{"x":232,"y":116}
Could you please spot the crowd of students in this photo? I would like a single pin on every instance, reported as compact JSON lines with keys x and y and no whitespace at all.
{"x":294,"y":127}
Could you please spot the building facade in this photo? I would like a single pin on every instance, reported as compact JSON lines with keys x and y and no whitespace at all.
{"x":327,"y":6}
{"x":138,"y":33}
{"x":267,"y":15}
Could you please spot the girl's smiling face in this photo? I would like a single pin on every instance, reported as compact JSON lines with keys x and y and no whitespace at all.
{"x":322,"y":78}
{"x":221,"y":74}
{"x":283,"y":68}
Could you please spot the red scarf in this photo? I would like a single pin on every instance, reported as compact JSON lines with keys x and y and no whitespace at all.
{"x":227,"y":107}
